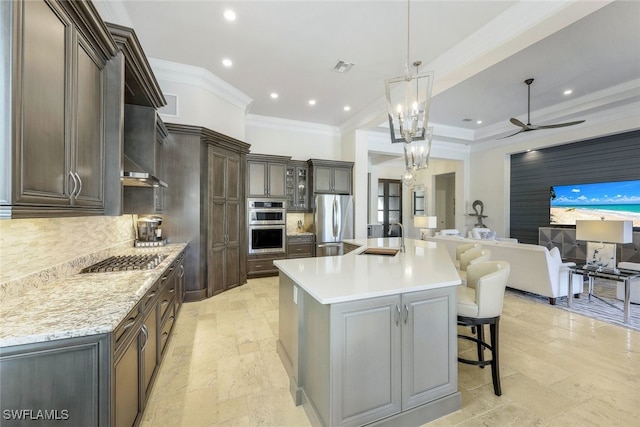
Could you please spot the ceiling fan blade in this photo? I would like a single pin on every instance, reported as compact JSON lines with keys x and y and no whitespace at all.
{"x":518,"y":123}
{"x":560,"y":125}
{"x":508,"y":136}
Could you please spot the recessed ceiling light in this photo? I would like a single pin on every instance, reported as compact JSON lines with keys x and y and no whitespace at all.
{"x":229,"y":15}
{"x":479,"y":122}
{"x":347,"y":108}
{"x":274,"y":95}
{"x":227,"y":62}
{"x":568,"y":92}
{"x":312,"y":102}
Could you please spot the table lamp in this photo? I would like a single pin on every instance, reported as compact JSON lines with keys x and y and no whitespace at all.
{"x":424,"y":223}
{"x":605,"y":232}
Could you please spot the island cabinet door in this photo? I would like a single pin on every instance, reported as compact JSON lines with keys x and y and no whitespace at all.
{"x":429,"y":346}
{"x":365,"y":372}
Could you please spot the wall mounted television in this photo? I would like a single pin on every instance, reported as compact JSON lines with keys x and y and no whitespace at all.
{"x":619,"y":200}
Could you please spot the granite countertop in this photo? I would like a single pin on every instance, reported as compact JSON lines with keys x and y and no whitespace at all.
{"x":81,"y":304}
{"x":424,"y":265}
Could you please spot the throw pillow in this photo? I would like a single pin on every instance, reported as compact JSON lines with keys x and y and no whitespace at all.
{"x":488,"y":235}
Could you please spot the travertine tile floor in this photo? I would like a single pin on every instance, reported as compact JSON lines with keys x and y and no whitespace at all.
{"x":558,"y":369}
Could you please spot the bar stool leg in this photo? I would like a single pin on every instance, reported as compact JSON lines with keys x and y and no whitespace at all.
{"x":480,"y":334}
{"x":495,"y":366}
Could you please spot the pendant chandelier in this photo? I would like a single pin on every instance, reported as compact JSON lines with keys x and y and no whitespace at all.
{"x":408,"y":101}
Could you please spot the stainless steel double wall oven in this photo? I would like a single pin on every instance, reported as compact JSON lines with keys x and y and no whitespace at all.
{"x":267,"y":226}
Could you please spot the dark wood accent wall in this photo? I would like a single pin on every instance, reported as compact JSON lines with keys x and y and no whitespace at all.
{"x":611,"y":158}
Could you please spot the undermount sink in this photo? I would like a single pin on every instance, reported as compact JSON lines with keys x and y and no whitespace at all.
{"x":380,"y":251}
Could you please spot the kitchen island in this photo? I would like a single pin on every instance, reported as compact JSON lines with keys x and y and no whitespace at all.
{"x":370,"y":339}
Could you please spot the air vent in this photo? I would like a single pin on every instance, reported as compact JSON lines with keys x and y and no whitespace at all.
{"x":342,"y":66}
{"x":464,"y":120}
{"x":171,"y":109}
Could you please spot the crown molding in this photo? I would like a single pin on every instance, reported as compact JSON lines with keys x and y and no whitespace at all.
{"x":254,"y":120}
{"x":198,"y":76}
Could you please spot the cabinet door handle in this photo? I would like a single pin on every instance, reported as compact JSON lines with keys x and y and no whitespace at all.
{"x":145,"y":332}
{"x":79,"y":185}
{"x":151,"y":295}
{"x":406,"y":313}
{"x":75,"y":184}
{"x":397,"y":315}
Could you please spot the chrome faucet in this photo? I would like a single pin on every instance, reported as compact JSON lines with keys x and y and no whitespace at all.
{"x":401,"y":234}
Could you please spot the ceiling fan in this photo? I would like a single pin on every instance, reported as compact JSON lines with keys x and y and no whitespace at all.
{"x":529,"y":127}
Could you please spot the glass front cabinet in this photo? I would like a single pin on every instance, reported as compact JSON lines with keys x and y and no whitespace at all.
{"x":297,"y":189}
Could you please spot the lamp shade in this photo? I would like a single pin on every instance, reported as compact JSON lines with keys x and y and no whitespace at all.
{"x":425,"y":221}
{"x":604,"y":231}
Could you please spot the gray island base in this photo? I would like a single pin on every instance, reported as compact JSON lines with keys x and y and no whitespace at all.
{"x":371,"y":339}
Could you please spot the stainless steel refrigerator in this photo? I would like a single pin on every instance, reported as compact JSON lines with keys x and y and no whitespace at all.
{"x":332,"y":222}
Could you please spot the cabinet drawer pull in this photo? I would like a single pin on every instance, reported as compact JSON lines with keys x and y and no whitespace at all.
{"x":165,"y":302}
{"x":151,"y":295}
{"x":172,"y":290}
{"x":132,"y":321}
{"x":165,"y":334}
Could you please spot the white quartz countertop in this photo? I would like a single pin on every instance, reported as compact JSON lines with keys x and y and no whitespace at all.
{"x":424,"y":265}
{"x":79,"y":305}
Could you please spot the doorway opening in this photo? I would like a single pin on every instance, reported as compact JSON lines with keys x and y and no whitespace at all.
{"x":445,"y":200}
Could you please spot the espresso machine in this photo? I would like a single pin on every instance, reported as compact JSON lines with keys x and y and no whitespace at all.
{"x":149,"y":232}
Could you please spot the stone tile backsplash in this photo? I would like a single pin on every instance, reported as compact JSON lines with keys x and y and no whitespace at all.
{"x":34,"y":251}
{"x":292,"y":222}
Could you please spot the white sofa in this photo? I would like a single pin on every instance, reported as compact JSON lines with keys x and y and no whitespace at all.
{"x":534,"y":268}
{"x":634,"y":296}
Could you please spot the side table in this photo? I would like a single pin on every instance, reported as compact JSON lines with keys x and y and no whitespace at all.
{"x":619,"y":275}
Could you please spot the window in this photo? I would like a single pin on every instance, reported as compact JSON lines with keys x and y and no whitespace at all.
{"x":390,"y":204}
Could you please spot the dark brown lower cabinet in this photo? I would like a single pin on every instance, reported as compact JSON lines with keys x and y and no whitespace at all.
{"x":99,"y":380}
{"x":300,"y":246}
{"x":149,"y":350}
{"x":62,"y":377}
{"x":127,"y":386}
{"x":261,"y":265}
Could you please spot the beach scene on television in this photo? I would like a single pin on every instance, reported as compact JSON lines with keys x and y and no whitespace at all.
{"x":618,"y":200}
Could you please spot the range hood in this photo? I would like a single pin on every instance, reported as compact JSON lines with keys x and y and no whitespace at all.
{"x":135,"y":176}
